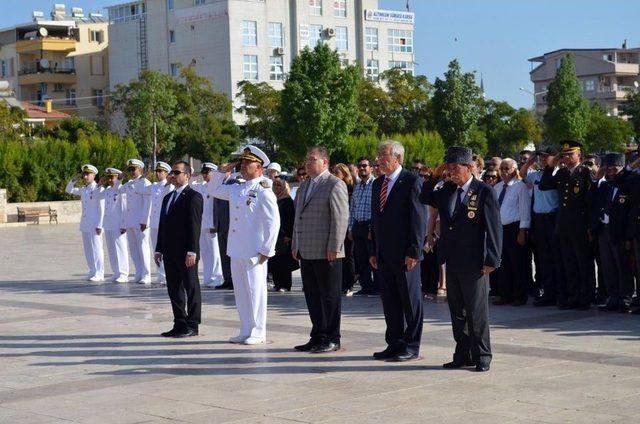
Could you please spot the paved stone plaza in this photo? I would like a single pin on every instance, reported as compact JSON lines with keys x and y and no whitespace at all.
{"x":74,"y":351}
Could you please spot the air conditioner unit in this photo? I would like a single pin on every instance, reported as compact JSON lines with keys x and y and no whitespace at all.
{"x":329,"y":32}
{"x":278,"y":51}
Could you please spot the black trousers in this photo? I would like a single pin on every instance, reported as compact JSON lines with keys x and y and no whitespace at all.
{"x":183,"y":287}
{"x":616,"y":269}
{"x":579,"y":271}
{"x":223,"y":238}
{"x":348,"y":265}
{"x":401,"y":294}
{"x":361,"y":250}
{"x":280,"y":268}
{"x":430,"y":271}
{"x":549,"y":263}
{"x":321,"y":283}
{"x":468,"y":298}
{"x":513,"y":278}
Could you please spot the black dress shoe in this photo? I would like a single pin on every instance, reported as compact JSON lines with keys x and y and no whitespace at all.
{"x":306,"y":347}
{"x":519,"y":303}
{"x":385,"y":354}
{"x":482,"y":367}
{"x":325,"y":347}
{"x":563,"y":306}
{"x":456,"y":364}
{"x":543,"y":302}
{"x":636,"y":312}
{"x":625,"y":309}
{"x":170,"y":333}
{"x":225,"y":286}
{"x":403,"y":357}
{"x":190,"y":332}
{"x":608,"y":307}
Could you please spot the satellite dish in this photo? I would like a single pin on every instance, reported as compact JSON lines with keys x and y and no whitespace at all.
{"x":43,"y":32}
{"x":44,"y":63}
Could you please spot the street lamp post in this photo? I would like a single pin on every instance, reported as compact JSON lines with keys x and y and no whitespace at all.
{"x":534,"y":95}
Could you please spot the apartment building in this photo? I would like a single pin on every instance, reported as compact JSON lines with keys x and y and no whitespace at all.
{"x":228,"y":41}
{"x":605,"y":75}
{"x":62,"y":57}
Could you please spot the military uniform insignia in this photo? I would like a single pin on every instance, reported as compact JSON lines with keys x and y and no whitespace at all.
{"x":622,"y":199}
{"x":471,"y":214}
{"x":265,"y":183}
{"x":251,"y":194}
{"x":576,"y":189}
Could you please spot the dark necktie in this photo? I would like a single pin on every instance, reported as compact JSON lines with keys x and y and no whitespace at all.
{"x":503,"y":192}
{"x":172,"y":200}
{"x":383,"y":193}
{"x":609,"y":202}
{"x":458,"y":199}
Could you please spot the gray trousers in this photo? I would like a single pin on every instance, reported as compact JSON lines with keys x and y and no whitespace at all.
{"x":617,"y":273}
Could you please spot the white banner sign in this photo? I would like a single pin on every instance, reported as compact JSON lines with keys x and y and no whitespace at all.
{"x":389,"y":16}
{"x":200,"y":13}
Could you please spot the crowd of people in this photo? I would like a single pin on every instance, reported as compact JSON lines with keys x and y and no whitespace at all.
{"x":554,"y":225}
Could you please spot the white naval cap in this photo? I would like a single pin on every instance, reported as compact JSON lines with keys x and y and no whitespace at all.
{"x":254,"y":154}
{"x":89,"y":168}
{"x":275,"y":166}
{"x":113,"y":171}
{"x":162,"y":166}
{"x":209,"y":166}
{"x":135,"y":162}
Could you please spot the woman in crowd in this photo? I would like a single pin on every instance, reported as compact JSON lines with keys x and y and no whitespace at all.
{"x":341,"y":171}
{"x":490,"y":177}
{"x":282,"y":264}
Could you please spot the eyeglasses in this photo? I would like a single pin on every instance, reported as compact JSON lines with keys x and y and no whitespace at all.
{"x":363,"y":165}
{"x":175,"y":172}
{"x":490,"y":176}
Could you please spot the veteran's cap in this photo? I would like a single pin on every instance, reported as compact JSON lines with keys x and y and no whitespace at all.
{"x":459,"y":154}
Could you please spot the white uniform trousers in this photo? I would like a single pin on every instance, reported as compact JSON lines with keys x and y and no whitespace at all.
{"x":118,"y":253}
{"x":250,"y":290}
{"x":140,"y":253}
{"x":94,"y":254}
{"x":210,"y":258}
{"x":162,"y":277}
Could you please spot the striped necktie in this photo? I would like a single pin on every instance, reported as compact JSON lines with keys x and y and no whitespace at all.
{"x":383,"y":193}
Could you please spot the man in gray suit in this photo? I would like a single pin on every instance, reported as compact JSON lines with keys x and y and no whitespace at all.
{"x":320,"y":226}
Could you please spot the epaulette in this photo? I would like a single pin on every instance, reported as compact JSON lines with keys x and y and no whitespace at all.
{"x":266,"y":183}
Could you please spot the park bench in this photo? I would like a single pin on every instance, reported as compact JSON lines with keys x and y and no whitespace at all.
{"x":33,"y":213}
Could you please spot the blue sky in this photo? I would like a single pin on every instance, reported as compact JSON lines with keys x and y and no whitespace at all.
{"x":494,"y":37}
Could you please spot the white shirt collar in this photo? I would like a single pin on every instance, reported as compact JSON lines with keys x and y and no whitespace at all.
{"x":465,"y":186}
{"x":179,"y":189}
{"x":319,"y":176}
{"x":394,"y":175}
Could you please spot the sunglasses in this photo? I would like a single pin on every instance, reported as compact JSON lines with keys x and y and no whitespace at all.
{"x":175,"y":172}
{"x":363,"y":165}
{"x":490,"y":176}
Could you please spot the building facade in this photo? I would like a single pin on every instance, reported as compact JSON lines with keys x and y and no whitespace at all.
{"x":62,"y":57}
{"x":606,"y":75}
{"x":228,"y":41}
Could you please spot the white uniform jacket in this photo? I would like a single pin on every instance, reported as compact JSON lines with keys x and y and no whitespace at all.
{"x":254,"y":220}
{"x":92,"y":205}
{"x":206,"y":190}
{"x":114,"y":207}
{"x":153,"y":205}
{"x":135,"y":192}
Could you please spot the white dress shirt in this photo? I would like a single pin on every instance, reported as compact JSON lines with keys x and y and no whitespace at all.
{"x":153,"y":205}
{"x":516,"y":205}
{"x":392,"y":179}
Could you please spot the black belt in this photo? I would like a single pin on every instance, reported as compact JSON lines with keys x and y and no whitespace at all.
{"x":367,"y":222}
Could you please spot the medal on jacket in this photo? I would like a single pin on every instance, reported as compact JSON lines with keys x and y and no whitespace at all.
{"x":252,"y":197}
{"x":622,"y":199}
{"x":576,"y":189}
{"x":473,"y":205}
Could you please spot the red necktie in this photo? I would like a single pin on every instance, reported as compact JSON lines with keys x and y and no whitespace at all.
{"x":383,"y":193}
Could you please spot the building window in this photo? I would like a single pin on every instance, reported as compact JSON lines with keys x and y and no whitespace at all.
{"x":199,"y":2}
{"x":403,"y":65}
{"x":170,"y":4}
{"x":58,"y":88}
{"x":315,"y":35}
{"x":371,"y":39}
{"x":250,"y":67}
{"x":276,"y":68}
{"x":315,"y":7}
{"x":96,"y":36}
{"x":173,"y":69}
{"x":172,"y":36}
{"x":558,"y":62}
{"x":340,"y":8}
{"x":372,"y":72}
{"x":98,"y":98}
{"x":342,"y":39}
{"x":275,"y":34}
{"x":70,"y":64}
{"x":400,"y":40}
{"x":249,"y":33}
{"x":589,"y":85}
{"x":3,"y":68}
{"x":126,"y":13}
{"x":71,"y":97}
{"x":607,"y":57}
{"x":97,"y":65}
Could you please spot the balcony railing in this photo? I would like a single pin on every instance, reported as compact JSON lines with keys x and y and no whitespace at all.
{"x":37,"y":69}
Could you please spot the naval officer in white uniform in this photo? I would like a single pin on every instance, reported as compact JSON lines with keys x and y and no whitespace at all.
{"x":114,"y":228}
{"x":137,"y":220}
{"x":153,"y":208}
{"x":91,"y":220}
{"x":209,"y":249}
{"x":254,"y":222}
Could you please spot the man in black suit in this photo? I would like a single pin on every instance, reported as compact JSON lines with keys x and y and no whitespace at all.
{"x":470,"y":245}
{"x":221,"y":224}
{"x":178,"y":247}
{"x":398,"y":229}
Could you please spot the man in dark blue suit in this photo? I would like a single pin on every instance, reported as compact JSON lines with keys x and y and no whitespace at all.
{"x":398,"y":229}
{"x":470,"y":245}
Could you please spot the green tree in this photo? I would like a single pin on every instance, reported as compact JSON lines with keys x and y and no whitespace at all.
{"x":319,"y":101}
{"x":261,"y":107}
{"x":11,"y":120}
{"x":373,"y":104}
{"x":150,"y":106}
{"x":457,"y":105}
{"x":205,"y":127}
{"x":508,"y":129}
{"x":71,"y":129}
{"x":606,"y":133}
{"x":567,"y":114}
{"x":631,"y":107}
{"x":407,"y":104}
